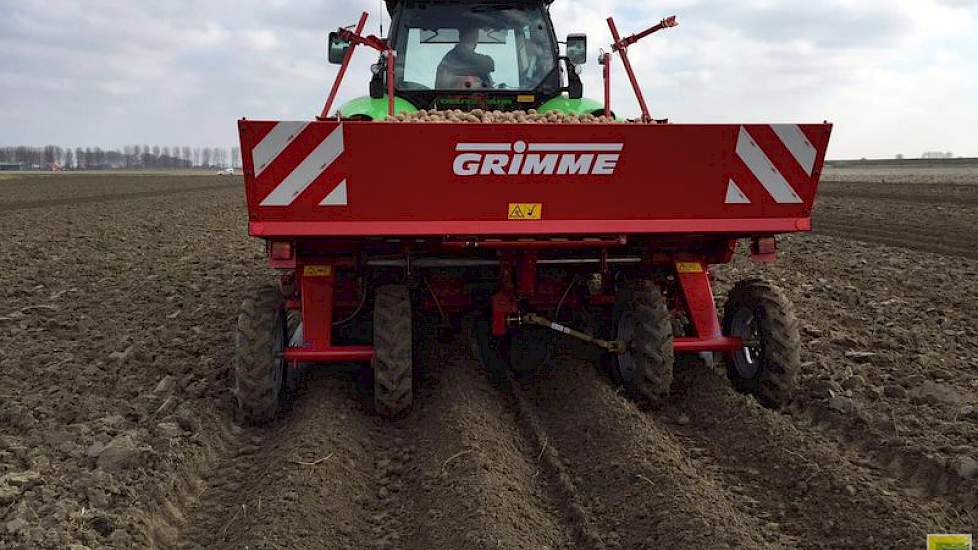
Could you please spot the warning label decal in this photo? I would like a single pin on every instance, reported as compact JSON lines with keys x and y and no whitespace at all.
{"x":525,"y":211}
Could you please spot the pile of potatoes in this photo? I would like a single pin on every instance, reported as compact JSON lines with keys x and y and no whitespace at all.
{"x":531,"y":116}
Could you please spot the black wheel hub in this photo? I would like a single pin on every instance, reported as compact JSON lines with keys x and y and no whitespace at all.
{"x":625,"y":332}
{"x":747,"y":360}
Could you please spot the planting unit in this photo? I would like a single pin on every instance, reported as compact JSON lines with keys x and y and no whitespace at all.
{"x":520,"y":232}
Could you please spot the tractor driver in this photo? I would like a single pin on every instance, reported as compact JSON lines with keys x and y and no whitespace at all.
{"x":538,"y":63}
{"x":463,"y":68}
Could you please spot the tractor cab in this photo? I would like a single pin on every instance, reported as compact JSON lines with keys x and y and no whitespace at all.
{"x":477,"y":54}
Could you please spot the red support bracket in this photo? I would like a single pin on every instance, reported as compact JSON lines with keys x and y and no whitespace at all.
{"x":317,"y":283}
{"x":694,"y":280}
{"x":504,"y":300}
{"x":697,"y":345}
{"x":764,"y":249}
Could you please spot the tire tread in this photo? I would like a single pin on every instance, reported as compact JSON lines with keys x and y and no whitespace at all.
{"x":655,"y":356}
{"x":392,"y":363}
{"x":257,"y":371}
{"x":777,"y":378}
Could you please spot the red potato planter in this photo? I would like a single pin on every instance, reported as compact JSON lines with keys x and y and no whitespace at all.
{"x":530,"y":232}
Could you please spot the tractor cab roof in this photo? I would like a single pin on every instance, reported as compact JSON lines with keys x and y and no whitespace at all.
{"x":392,"y":5}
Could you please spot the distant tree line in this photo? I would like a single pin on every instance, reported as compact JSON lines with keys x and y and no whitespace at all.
{"x":131,"y":157}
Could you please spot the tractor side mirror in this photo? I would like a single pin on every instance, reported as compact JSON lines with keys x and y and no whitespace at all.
{"x":577,"y":48}
{"x":337,"y":48}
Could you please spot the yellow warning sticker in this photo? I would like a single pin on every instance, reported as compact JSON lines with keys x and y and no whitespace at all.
{"x":525,"y":211}
{"x":689,"y":267}
{"x":525,"y":98}
{"x":317,"y":271}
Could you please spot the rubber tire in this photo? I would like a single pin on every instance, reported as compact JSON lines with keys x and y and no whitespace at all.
{"x":776,"y":378}
{"x":259,"y":372}
{"x":392,"y":362}
{"x":652,"y":345}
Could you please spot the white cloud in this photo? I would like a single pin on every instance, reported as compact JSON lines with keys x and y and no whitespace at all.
{"x":896,"y":76}
{"x":260,"y":40}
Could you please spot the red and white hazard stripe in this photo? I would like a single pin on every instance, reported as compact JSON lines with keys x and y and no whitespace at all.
{"x":277,"y":141}
{"x":765,"y":171}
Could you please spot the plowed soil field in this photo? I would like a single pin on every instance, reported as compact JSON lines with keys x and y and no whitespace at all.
{"x":118,"y":302}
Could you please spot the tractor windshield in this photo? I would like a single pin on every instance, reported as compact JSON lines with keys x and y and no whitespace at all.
{"x":480,"y":46}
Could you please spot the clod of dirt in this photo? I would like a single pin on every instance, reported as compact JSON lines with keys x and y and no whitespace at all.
{"x":166,"y":385}
{"x":854,"y":382}
{"x":123,"y":356}
{"x":860,"y":356}
{"x":8,"y":494}
{"x":966,"y":467}
{"x":102,"y":525}
{"x":169,"y":430}
{"x":24,"y":480}
{"x":13,"y":484}
{"x":895,"y":391}
{"x":120,"y":454}
{"x":842,"y":405}
{"x":168,"y":406}
{"x":934,"y":393}
{"x":826,"y":388}
{"x":15,"y":526}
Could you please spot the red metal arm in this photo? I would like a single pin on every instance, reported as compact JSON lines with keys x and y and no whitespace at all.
{"x":371,"y":41}
{"x":390,"y":55}
{"x":346,"y":63}
{"x":628,"y":41}
{"x":621,"y":46}
{"x":356,"y":39}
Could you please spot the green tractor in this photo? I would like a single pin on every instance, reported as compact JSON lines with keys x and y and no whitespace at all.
{"x":473,"y":54}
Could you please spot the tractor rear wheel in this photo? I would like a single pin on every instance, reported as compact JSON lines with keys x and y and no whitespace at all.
{"x":259,"y":370}
{"x":767,"y":366}
{"x":643,"y":323}
{"x":392,"y":363}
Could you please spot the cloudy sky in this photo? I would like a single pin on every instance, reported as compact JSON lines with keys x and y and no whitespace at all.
{"x":895,"y":76}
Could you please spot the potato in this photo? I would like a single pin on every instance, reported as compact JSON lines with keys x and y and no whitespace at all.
{"x":482,"y":116}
